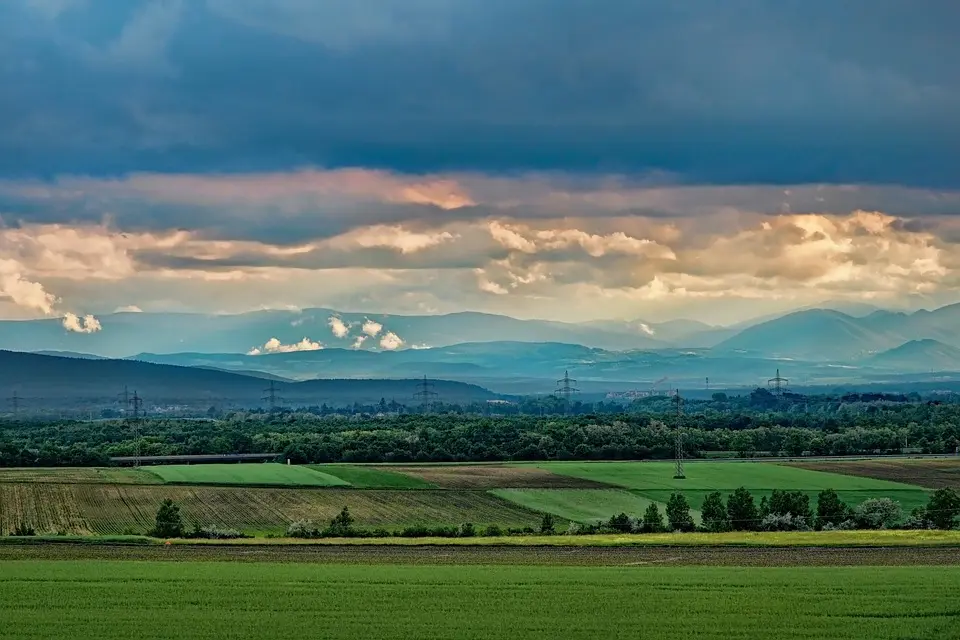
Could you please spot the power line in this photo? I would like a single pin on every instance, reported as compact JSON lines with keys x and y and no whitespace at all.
{"x":14,"y":401}
{"x":425,"y":394}
{"x":566,"y":388}
{"x":678,"y":441}
{"x":137,"y":403}
{"x":778,"y":384}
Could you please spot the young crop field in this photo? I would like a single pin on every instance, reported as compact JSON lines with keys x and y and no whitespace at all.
{"x":494,"y":476}
{"x":371,"y":477}
{"x":114,"y":509}
{"x":654,"y":480}
{"x":113,"y":600}
{"x":257,"y":474}
{"x":581,"y":505}
{"x":70,"y":475}
{"x":932,"y":474}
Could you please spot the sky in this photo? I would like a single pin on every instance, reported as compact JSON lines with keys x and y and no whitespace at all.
{"x":563,"y":159}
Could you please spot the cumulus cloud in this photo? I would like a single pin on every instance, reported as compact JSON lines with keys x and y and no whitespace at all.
{"x":338,"y":327}
{"x":358,"y":342}
{"x":23,"y":292}
{"x":390,"y":341}
{"x":273,"y":345}
{"x":76,"y":324}
{"x":372,"y":328}
{"x":130,"y":308}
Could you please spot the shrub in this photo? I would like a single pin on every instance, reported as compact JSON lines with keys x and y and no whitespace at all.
{"x":23,"y":529}
{"x":466,"y":530}
{"x":573,"y":528}
{"x":215,"y":533}
{"x":877,"y":513}
{"x":795,"y":503}
{"x":620,"y":523}
{"x":831,"y":510}
{"x":302,"y":529}
{"x":493,"y":531}
{"x":548,"y":524}
{"x":785,"y":522}
{"x":943,"y":508}
{"x":918,"y":520}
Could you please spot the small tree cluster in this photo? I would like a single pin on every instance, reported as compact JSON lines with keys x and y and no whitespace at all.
{"x":941,"y":512}
{"x":168,"y":523}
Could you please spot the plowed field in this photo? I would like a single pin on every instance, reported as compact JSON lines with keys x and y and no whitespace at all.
{"x":492,"y":476}
{"x":932,"y":474}
{"x":112,"y":509}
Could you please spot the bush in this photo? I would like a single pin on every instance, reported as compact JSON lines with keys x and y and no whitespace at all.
{"x":943,"y":508}
{"x":795,"y":503}
{"x":877,"y":513}
{"x":466,"y":530}
{"x":574,"y":528}
{"x":23,"y":529}
{"x":620,"y":523}
{"x":493,"y":531}
{"x":168,"y":522}
{"x":302,"y":529}
{"x":785,"y":522}
{"x":831,"y":510}
{"x":548,"y":524}
{"x":215,"y":533}
{"x":918,"y":520}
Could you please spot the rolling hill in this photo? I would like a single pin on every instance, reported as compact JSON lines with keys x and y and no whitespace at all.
{"x":53,"y":382}
{"x":919,"y":355}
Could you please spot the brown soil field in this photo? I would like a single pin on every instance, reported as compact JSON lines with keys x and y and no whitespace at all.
{"x":585,"y":556}
{"x":931,"y":474}
{"x":492,"y":476}
{"x":72,"y":475}
{"x":112,"y":509}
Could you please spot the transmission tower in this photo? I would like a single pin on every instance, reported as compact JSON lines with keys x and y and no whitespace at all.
{"x":566,"y":387}
{"x":678,"y":441}
{"x":136,"y":402}
{"x":125,"y":398}
{"x":271,"y":396}
{"x":425,"y":394}
{"x":778,"y":384}
{"x":14,"y":401}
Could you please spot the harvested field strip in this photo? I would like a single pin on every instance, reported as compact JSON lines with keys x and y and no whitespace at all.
{"x":580,"y":505}
{"x":74,"y":475}
{"x":113,"y":509}
{"x":372,"y":477}
{"x":463,"y":554}
{"x":494,"y":476}
{"x":257,"y":474}
{"x":63,"y":599}
{"x":932,"y":474}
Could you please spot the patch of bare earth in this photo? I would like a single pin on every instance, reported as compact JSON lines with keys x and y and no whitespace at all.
{"x":583,"y":556}
{"x":932,"y":474}
{"x":495,"y":477}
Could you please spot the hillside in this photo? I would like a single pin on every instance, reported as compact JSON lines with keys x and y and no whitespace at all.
{"x":53,"y":382}
{"x":919,"y":355}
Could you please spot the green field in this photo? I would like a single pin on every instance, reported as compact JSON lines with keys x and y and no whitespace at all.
{"x":71,"y":475}
{"x":258,"y":474}
{"x":581,"y":505}
{"x":155,"y":600}
{"x":369,"y":477}
{"x":654,"y":480}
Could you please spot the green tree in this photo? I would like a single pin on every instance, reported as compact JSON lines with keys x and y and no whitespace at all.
{"x":343,"y":523}
{"x":169,"y":523}
{"x":741,"y":511}
{"x":678,"y":513}
{"x":795,"y":503}
{"x":878,"y":513}
{"x":548,"y":524}
{"x":713,"y":514}
{"x":620,"y":522}
{"x":652,"y":520}
{"x":831,"y":509}
{"x":943,"y":508}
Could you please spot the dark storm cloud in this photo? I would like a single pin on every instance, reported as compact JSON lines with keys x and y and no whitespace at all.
{"x":713,"y":92}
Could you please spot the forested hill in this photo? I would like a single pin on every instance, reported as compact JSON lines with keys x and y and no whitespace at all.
{"x":45,"y":382}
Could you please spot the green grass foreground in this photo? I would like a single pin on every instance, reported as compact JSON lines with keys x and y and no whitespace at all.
{"x":114,"y":600}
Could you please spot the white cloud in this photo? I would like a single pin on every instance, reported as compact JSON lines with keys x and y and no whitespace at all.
{"x":86,"y":324}
{"x":338,"y":327}
{"x":23,"y":292}
{"x":372,"y":328}
{"x":130,"y":308}
{"x":273,"y":345}
{"x":390,"y":341}
{"x":358,"y":341}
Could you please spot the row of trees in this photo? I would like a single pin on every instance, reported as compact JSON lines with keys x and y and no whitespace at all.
{"x":305,"y":438}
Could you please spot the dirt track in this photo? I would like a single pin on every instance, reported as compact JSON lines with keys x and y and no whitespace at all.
{"x":588,"y":556}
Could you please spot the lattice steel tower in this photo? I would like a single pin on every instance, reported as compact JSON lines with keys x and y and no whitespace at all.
{"x":425,"y":394}
{"x":566,"y":387}
{"x":678,"y":440}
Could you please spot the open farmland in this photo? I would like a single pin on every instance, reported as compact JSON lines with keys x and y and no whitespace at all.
{"x":494,"y":476}
{"x":932,"y":474}
{"x":70,"y":475}
{"x":372,"y":477}
{"x":113,"y":509}
{"x":654,"y":480}
{"x":103,"y":600}
{"x":259,"y":474}
{"x":581,"y":505}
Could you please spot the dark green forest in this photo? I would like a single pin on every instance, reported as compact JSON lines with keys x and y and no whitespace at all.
{"x":758,"y":424}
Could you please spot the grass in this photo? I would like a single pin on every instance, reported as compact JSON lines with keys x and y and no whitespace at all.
{"x":72,"y":475}
{"x":257,"y":474}
{"x":580,"y":505}
{"x":105,"y":600}
{"x":654,"y":480}
{"x":369,"y":477}
{"x":116,"y":509}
